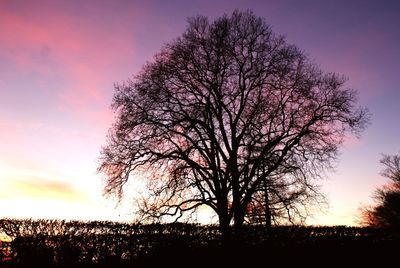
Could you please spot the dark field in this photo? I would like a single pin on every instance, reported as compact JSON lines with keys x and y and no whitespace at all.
{"x":107,"y":244}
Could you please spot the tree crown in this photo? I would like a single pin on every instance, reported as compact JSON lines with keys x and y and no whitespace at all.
{"x":222,"y":110}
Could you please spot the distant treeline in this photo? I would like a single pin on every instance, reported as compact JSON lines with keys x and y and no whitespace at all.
{"x":75,"y":243}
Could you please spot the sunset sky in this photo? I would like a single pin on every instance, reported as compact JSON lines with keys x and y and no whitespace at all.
{"x":60,"y":59}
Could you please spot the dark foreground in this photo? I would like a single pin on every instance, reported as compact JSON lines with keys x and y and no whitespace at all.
{"x":106,"y":244}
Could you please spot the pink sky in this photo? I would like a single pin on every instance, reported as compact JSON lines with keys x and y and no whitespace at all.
{"x":60,"y":59}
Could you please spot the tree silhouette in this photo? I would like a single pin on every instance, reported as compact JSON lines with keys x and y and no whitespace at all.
{"x":386,"y":212}
{"x":282,"y":201}
{"x":221,"y":111}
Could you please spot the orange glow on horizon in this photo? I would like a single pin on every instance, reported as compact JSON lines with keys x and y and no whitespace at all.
{"x":39,"y":188}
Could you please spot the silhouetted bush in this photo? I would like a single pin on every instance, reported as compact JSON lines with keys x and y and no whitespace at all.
{"x":74,"y":243}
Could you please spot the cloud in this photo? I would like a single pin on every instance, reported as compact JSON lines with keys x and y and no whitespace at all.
{"x":72,"y":51}
{"x":37,"y":188}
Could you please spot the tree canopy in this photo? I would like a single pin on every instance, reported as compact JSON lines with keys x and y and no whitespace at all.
{"x":228,"y":115}
{"x":386,"y":212}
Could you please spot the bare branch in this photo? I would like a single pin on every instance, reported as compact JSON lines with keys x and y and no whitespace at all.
{"x":220,"y":112}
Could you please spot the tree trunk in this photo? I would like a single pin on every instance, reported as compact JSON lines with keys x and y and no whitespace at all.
{"x":237,"y":207}
{"x":225,"y":228}
{"x":238,"y":225}
{"x":268,"y":217}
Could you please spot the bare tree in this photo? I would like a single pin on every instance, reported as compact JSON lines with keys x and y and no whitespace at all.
{"x":392,"y":169}
{"x":283,"y":200}
{"x":386,"y":212}
{"x":220,"y":111}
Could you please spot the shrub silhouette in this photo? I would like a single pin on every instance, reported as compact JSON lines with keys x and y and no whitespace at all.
{"x":386,"y":212}
{"x":85,"y":244}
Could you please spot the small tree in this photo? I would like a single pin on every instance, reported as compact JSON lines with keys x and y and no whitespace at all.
{"x":283,"y":200}
{"x":221,"y":112}
{"x":386,"y":212}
